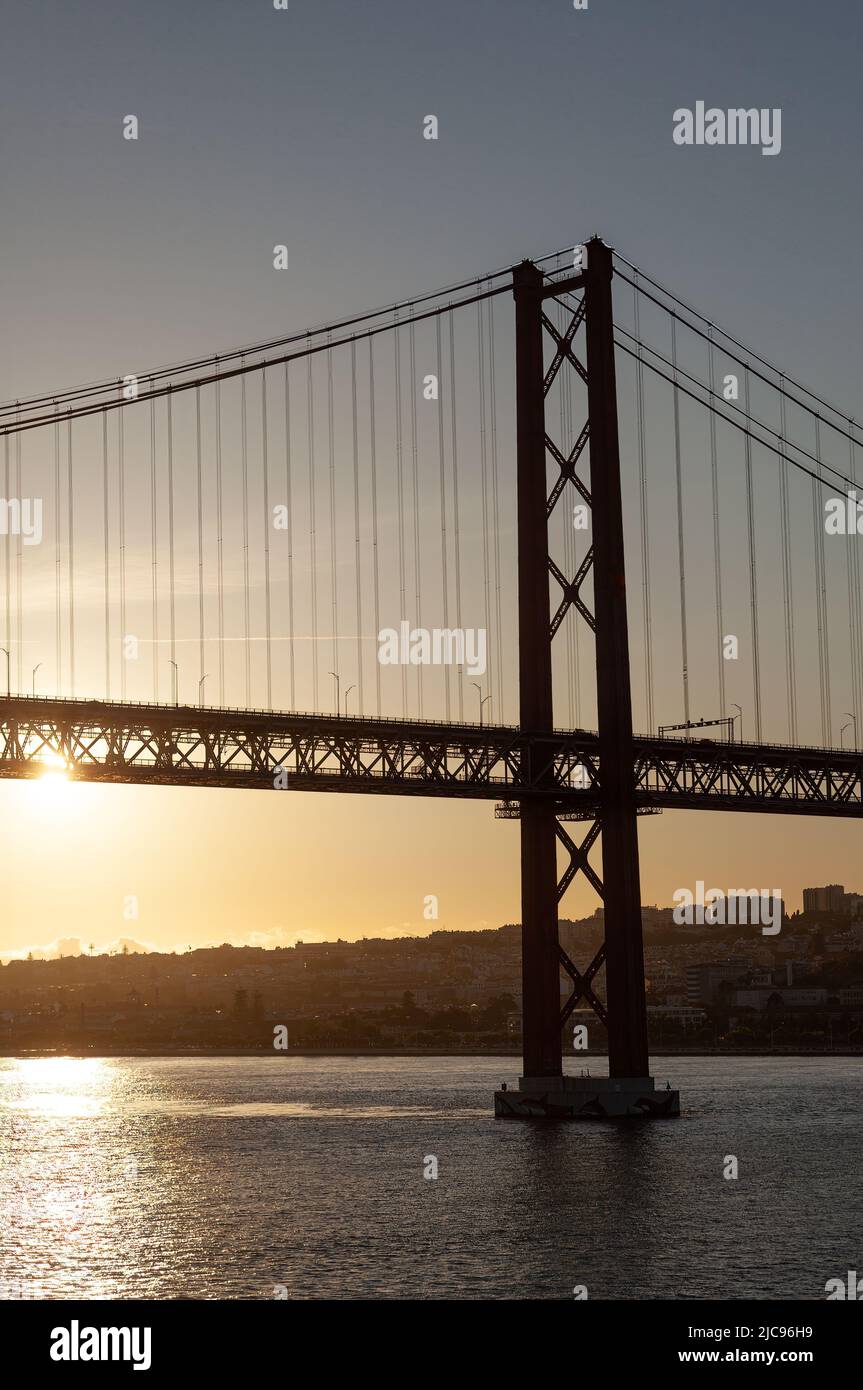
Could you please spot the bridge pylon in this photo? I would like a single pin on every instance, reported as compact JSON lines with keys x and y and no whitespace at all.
{"x":543,"y":1091}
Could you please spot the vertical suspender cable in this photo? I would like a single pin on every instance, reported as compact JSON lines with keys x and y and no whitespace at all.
{"x":244,"y":449}
{"x":154,"y":539}
{"x":357,"y":556}
{"x":375,"y":518}
{"x":220,"y":576}
{"x":680,"y":548}
{"x":8,"y":637}
{"x":121,"y":530}
{"x":58,"y":577}
{"x":416,"y":494}
{"x":310,"y":403}
{"x":265,"y":469}
{"x":443,"y":545}
{"x":201,"y":672}
{"x":854,"y":591}
{"x":816,"y":515}
{"x":821,"y":596}
{"x":7,"y":551}
{"x":400,"y":493}
{"x":171,"y":559}
{"x":334,"y":589}
{"x":71,"y":560}
{"x":19,"y":561}
{"x":753,"y":576}
{"x":717,"y":546}
{"x":787,"y":574}
{"x":107,"y":555}
{"x":645,"y":517}
{"x":483,"y":454}
{"x":498,"y":640}
{"x":290,"y":505}
{"x":457,"y":534}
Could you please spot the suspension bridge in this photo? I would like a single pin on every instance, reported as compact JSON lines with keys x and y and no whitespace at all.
{"x":322,"y":527}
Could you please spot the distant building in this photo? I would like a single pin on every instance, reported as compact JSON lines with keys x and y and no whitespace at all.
{"x":703,"y":981}
{"x":677,"y":1013}
{"x":795,"y":998}
{"x":829,"y":899}
{"x":843,"y":943}
{"x":783,"y":975}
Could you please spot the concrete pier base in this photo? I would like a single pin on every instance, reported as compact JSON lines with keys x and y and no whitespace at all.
{"x":586,"y":1098}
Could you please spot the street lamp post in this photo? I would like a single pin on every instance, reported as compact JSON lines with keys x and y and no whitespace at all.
{"x":853,"y":718}
{"x":35,"y":669}
{"x":347,"y":693}
{"x":478,"y":689}
{"x":201,"y":689}
{"x":176,"y":674}
{"x":738,"y":708}
{"x":338,"y":695}
{"x":842,"y":735}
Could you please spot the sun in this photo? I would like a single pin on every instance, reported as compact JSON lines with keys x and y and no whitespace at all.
{"x":54,"y":784}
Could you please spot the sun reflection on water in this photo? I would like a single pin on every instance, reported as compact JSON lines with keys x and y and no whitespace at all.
{"x":55,"y":1086}
{"x":65,"y":1194}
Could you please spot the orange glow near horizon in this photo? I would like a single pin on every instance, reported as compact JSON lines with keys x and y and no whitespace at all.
{"x":270,"y":868}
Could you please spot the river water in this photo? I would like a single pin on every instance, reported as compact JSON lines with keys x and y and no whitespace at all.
{"x":302,"y":1177}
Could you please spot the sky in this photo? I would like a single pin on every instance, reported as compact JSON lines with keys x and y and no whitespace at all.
{"x":304,"y":127}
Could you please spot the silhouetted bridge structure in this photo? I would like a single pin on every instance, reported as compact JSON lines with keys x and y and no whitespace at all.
{"x":147,"y":745}
{"x":441,"y":504}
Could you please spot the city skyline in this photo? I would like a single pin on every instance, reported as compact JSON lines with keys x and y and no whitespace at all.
{"x":818,"y":898}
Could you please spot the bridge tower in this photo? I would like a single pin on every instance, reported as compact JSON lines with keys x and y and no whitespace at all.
{"x":543,"y":1090}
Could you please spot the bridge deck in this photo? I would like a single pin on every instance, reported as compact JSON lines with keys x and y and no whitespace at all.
{"x":167,"y":745}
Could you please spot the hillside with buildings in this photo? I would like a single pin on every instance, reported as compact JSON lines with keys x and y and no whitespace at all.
{"x":708,"y":987}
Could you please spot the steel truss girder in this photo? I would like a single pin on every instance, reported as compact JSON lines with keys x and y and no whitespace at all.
{"x":578,"y":860}
{"x":583,"y":987}
{"x":579,"y":863}
{"x":571,"y":594}
{"x":563,"y":344}
{"x":141,"y":752}
{"x":734,"y":777}
{"x":567,"y":464}
{"x":187,"y":746}
{"x":567,"y":468}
